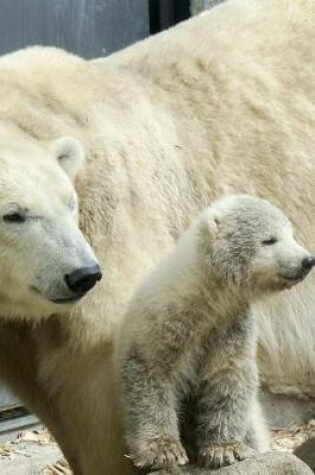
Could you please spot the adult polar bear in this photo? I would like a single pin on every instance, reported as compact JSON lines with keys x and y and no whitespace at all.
{"x":223,"y":103}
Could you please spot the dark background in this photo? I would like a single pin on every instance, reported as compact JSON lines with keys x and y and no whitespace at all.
{"x":89,"y":28}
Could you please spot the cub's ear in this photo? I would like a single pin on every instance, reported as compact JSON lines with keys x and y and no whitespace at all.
{"x":70,"y":155}
{"x":210,"y":221}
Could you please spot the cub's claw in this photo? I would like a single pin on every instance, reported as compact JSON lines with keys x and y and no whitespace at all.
{"x":220,"y":455}
{"x":162,"y":453}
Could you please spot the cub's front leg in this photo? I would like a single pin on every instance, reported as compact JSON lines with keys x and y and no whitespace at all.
{"x":223,"y":414}
{"x":152,"y":433}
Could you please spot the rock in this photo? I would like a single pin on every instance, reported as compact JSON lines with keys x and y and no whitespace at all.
{"x":306,"y":452}
{"x":272,"y":463}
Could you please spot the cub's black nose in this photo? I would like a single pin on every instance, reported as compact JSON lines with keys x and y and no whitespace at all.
{"x":83,"y":279}
{"x":308,"y":262}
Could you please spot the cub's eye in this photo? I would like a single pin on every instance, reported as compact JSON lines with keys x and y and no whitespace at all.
{"x":14,"y":217}
{"x":269,"y":242}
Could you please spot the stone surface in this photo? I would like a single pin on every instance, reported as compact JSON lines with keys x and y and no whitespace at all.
{"x":268,"y":464}
{"x":29,"y":460}
{"x":29,"y":454}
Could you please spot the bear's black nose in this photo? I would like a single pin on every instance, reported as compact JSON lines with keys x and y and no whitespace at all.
{"x":82,"y":280}
{"x":308,"y":262}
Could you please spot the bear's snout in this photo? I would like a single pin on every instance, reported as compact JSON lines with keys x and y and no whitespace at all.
{"x":83,"y":279}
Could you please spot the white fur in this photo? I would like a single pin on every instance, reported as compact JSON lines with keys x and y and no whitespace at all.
{"x":70,"y":154}
{"x":38,"y":253}
{"x":221,"y":104}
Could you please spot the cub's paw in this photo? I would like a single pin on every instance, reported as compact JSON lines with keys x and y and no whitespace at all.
{"x":163,"y":452}
{"x":220,"y":455}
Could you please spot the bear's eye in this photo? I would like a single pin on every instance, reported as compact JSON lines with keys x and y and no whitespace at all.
{"x":269,"y":242}
{"x":14,"y":217}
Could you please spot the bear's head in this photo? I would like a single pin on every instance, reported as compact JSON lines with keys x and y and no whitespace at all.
{"x":250,"y":245}
{"x":46,"y":263}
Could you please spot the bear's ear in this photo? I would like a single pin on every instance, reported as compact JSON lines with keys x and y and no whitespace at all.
{"x":210,"y":222}
{"x":70,"y":155}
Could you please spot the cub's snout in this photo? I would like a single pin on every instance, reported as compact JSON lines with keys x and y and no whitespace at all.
{"x":299,"y":271}
{"x":308,"y":263}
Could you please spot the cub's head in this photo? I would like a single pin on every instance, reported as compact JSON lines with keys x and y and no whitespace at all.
{"x":46,"y":263}
{"x":250,"y":244}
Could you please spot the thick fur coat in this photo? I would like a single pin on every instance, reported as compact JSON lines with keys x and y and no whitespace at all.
{"x":222,"y":103}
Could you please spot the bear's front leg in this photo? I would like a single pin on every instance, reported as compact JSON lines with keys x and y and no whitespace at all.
{"x":150,"y":405}
{"x":223,"y":414}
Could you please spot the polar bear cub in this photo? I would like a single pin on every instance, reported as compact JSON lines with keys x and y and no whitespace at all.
{"x":186,"y":349}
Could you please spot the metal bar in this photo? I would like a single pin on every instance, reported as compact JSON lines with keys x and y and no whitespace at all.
{"x":10,"y":428}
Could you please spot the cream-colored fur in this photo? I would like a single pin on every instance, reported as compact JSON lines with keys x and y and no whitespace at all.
{"x":223,"y":103}
{"x":186,"y":350}
{"x":40,"y":240}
